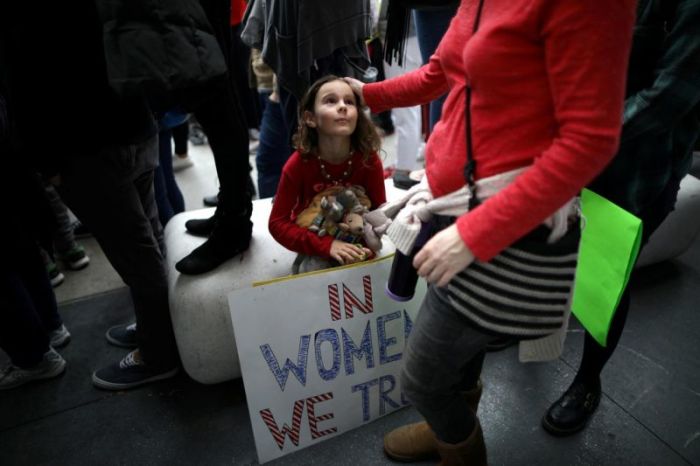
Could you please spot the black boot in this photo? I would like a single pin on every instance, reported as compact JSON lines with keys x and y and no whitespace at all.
{"x":229,"y":238}
{"x":211,"y":201}
{"x":570,"y":413}
{"x":201,"y":227}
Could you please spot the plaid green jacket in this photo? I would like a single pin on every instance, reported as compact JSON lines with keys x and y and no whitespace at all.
{"x":662,"y":109}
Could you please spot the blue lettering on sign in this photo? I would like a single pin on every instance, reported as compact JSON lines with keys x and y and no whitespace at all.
{"x":384,"y":342}
{"x":365,"y":396}
{"x":384,"y":393}
{"x":407,"y":325}
{"x":331,"y":336}
{"x":351,"y":351}
{"x":298,"y":369}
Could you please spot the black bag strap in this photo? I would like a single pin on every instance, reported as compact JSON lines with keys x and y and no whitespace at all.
{"x":470,"y":167}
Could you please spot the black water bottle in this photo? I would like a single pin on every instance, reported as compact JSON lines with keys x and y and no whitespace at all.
{"x":404,"y":277}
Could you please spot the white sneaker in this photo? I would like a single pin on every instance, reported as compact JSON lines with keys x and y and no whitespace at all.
{"x":59,"y":337}
{"x":50,"y":366}
{"x":253,"y":146}
{"x":180,"y":163}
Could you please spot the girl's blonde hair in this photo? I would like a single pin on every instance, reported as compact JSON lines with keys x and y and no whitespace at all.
{"x":364,"y":139}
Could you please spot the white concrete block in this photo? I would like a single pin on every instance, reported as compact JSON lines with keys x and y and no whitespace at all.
{"x":679,"y":230}
{"x":198,"y":304}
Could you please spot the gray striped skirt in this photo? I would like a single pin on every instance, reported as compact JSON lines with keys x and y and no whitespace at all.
{"x":524,"y":291}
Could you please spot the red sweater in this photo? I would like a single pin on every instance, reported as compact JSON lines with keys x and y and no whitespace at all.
{"x":548,"y":80}
{"x":301,"y":180}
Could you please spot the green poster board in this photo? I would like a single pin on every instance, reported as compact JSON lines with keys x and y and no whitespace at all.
{"x":610,"y":243}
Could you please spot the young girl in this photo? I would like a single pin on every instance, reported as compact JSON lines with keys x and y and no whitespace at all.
{"x":336,"y":145}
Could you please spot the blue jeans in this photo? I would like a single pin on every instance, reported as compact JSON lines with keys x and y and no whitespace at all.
{"x":443,"y":358}
{"x":273,"y":150}
{"x":430,"y":27}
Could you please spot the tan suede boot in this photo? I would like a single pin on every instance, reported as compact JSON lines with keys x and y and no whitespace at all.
{"x":416,"y":442}
{"x":471,"y":452}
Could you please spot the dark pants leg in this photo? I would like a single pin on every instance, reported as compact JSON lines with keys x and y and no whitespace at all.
{"x":168,"y":195}
{"x":443,"y":357}
{"x":27,"y":305}
{"x":223,"y":121}
{"x":112,"y":192}
{"x":430,"y":27}
{"x":240,"y":64}
{"x":63,"y":238}
{"x":595,"y":356}
{"x":180,"y":134}
{"x":273,"y":150}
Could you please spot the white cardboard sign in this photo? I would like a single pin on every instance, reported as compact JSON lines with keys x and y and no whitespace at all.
{"x":320,"y":354}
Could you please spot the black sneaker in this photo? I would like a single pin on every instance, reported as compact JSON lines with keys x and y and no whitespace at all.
{"x":570,"y":413}
{"x":130,"y":372}
{"x":123,"y":335}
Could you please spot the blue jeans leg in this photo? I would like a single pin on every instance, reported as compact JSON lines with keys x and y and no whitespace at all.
{"x":430,"y":27}
{"x":273,"y":150}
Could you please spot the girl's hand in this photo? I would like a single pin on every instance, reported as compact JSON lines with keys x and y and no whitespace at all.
{"x":347,"y":253}
{"x":356,"y":86}
{"x":443,"y":257}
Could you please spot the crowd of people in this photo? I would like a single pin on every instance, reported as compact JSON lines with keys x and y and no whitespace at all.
{"x":529,"y":103}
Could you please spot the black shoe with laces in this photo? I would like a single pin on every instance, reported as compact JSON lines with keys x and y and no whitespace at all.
{"x":130,"y":372}
{"x":570,"y":413}
{"x":123,"y":335}
{"x":225,"y":242}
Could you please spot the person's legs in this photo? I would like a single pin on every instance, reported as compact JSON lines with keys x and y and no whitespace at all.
{"x":223,"y":121}
{"x":180,"y":134}
{"x":443,"y":356}
{"x":112,"y":193}
{"x":173,"y":200}
{"x":165,"y":210}
{"x":430,"y":27}
{"x":27,"y":317}
{"x":65,"y":247}
{"x":407,"y":120}
{"x":273,"y":150}
{"x":571,"y":411}
{"x":63,"y":238}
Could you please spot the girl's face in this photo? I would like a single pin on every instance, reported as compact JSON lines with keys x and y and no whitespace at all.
{"x":335,"y":110}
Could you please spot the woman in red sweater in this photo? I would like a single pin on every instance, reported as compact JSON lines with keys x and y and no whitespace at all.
{"x":546,"y":79}
{"x":336,"y":145}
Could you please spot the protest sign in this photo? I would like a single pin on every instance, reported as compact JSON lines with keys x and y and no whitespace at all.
{"x":320,"y":353}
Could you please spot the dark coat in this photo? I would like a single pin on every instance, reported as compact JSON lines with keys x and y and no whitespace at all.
{"x":158,"y":49}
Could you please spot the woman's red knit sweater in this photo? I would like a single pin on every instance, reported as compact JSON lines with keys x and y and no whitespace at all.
{"x":548,"y":82}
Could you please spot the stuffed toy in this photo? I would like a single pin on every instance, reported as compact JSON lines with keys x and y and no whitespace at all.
{"x":337,"y":211}
{"x":356,"y":200}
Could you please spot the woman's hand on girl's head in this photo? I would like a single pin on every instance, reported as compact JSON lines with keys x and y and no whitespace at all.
{"x":356,"y":85}
{"x":443,"y":257}
{"x":347,"y":253}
